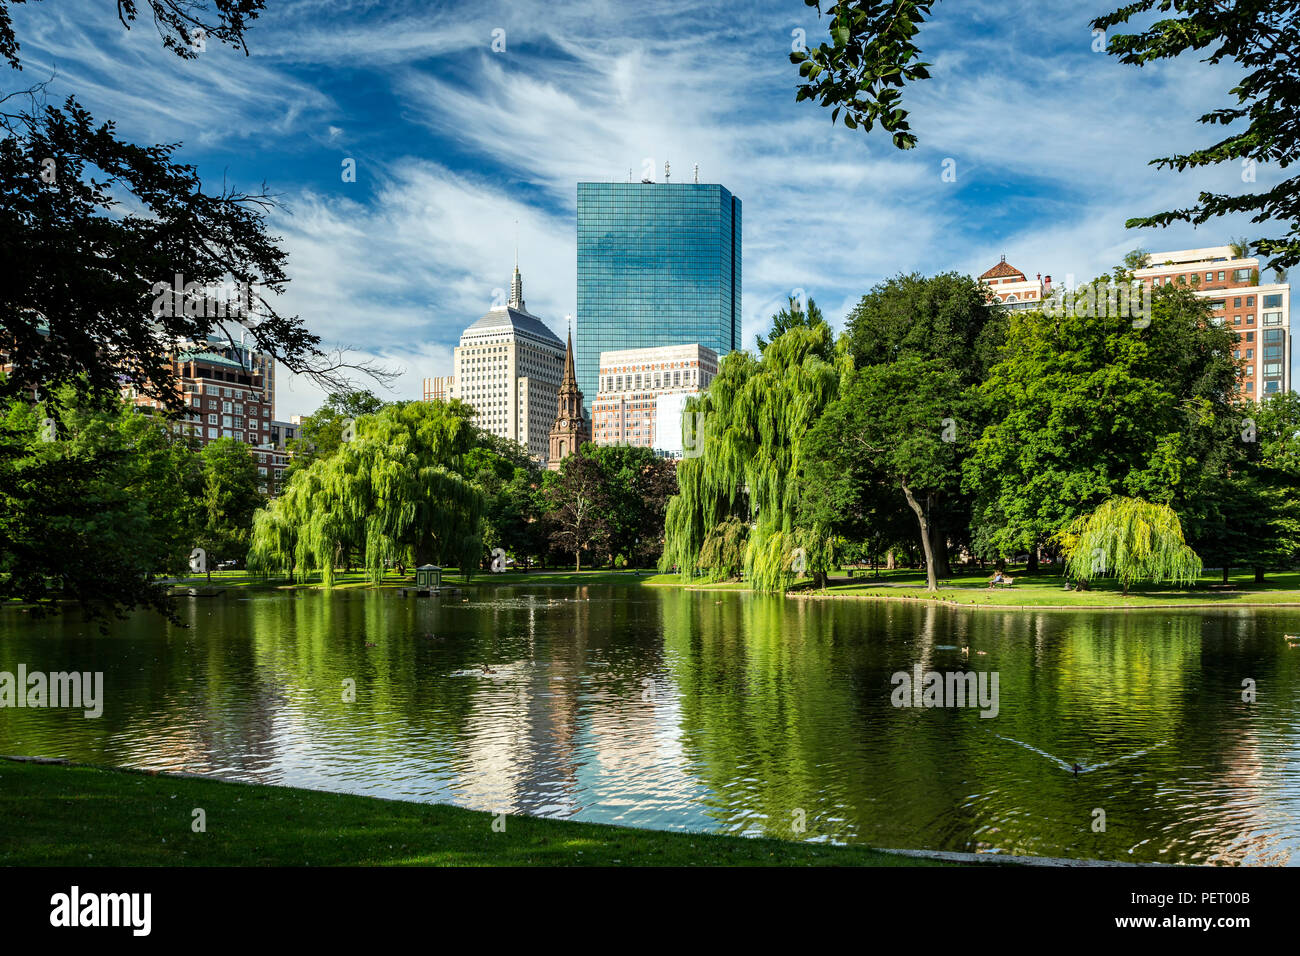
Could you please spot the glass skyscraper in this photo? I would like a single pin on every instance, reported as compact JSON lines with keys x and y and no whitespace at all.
{"x":658,"y":264}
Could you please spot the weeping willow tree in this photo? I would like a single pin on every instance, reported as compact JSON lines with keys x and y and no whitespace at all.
{"x":748,"y":428}
{"x":1131,"y":540}
{"x":396,"y":491}
{"x":724,"y":547}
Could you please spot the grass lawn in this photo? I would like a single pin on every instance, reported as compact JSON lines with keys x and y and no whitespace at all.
{"x":58,"y":815}
{"x":1040,"y":590}
{"x":344,"y":580}
{"x":1044,"y":590}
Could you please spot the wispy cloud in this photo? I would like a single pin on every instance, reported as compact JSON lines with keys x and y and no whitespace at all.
{"x":454,"y":141}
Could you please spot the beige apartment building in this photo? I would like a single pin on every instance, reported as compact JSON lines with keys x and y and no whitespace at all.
{"x":508,"y":366}
{"x":643,"y":391}
{"x":1259,"y":313}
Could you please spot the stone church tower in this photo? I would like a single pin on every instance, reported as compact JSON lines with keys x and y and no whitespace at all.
{"x":570,"y":430}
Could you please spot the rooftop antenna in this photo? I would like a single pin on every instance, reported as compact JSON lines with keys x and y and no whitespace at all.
{"x":629,"y":175}
{"x":516,"y":245}
{"x":667,"y":171}
{"x":697,"y":174}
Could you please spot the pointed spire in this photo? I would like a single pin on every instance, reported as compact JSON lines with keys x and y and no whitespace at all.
{"x":517,"y":289}
{"x":569,"y":377}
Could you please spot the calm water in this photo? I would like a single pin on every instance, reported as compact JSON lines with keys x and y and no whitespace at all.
{"x":729,"y":712}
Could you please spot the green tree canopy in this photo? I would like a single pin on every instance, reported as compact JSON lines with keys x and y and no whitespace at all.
{"x":750,"y":426}
{"x":1131,"y":540}
{"x":948,"y":317}
{"x":94,"y":503}
{"x":575,"y":499}
{"x":1082,"y":408}
{"x":794,"y":314}
{"x":910,"y":423}
{"x":396,"y":491}
{"x":230,"y":499}
{"x":637,"y":485}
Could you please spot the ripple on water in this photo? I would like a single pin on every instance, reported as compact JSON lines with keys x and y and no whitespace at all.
{"x":664,"y":712}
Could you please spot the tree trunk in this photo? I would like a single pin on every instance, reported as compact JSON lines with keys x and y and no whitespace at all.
{"x":1259,"y":575}
{"x":577,"y":559}
{"x":889,"y":560}
{"x":1032,"y":566}
{"x":939,"y":549}
{"x":1225,"y":574}
{"x":931,"y":579}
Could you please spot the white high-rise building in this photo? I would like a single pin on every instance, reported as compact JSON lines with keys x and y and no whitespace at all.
{"x":642,"y":393}
{"x":508,"y":366}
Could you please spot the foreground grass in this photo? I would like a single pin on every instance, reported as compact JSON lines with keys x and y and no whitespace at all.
{"x":56,"y":815}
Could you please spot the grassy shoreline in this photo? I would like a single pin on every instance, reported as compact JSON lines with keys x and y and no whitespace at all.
{"x":59,"y":814}
{"x":970,"y":590}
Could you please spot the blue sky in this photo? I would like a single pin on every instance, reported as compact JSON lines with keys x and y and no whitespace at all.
{"x":454,"y":143}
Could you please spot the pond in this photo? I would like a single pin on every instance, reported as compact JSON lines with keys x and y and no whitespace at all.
{"x":723,"y":711}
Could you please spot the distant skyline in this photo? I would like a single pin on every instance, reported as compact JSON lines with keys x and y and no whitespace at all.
{"x":659,"y":264}
{"x":454,"y":141}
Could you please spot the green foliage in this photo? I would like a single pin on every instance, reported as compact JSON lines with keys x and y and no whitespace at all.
{"x":511,"y":482}
{"x":353,"y":403}
{"x":574,"y":501}
{"x":794,"y":314}
{"x":1131,"y":540}
{"x":80,"y":306}
{"x":752,"y":423}
{"x":723,"y":551}
{"x":1257,"y":38}
{"x":635,"y":487}
{"x":949,"y":325}
{"x":1277,"y":421}
{"x":908,"y":423}
{"x":397,"y":491}
{"x":1247,"y":513}
{"x":230,"y":499}
{"x":947,"y":317}
{"x":869,"y":58}
{"x":1136,"y":259}
{"x":1086,"y":408}
{"x":94,"y":502}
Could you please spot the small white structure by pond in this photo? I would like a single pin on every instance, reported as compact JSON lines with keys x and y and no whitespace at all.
{"x":428,"y":576}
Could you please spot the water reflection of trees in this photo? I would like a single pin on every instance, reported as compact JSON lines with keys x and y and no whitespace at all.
{"x":757,"y":707}
{"x":789,"y":710}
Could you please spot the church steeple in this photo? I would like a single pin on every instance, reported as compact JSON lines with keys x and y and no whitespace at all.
{"x":570,"y":430}
{"x":569,"y":378}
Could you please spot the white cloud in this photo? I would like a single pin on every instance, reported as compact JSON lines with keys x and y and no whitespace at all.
{"x":1051,"y":143}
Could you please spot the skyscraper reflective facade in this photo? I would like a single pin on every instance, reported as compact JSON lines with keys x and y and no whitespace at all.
{"x":658,"y":264}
